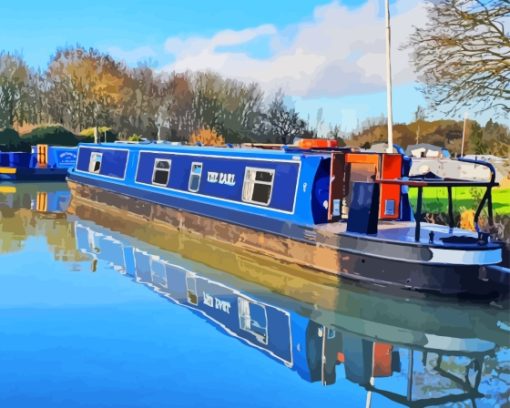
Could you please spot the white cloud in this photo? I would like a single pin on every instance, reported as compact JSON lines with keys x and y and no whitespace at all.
{"x":193,"y":45}
{"x":132,"y":56}
{"x":340,"y":51}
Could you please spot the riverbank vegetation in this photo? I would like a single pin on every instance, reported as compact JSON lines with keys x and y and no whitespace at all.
{"x":84,"y":88}
{"x":460,"y":57}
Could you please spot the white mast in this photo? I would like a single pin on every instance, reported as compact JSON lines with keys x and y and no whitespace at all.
{"x":388,"y":79}
{"x":463,"y":134}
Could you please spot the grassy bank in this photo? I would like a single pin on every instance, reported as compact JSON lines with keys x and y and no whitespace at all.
{"x":435,"y":200}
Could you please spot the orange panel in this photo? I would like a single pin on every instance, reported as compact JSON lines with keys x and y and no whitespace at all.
{"x":382,"y":360}
{"x":362,"y":158}
{"x":42,"y":155}
{"x":317,"y":143}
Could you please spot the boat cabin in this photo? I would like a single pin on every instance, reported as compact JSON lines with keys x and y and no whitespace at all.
{"x":308,"y":186}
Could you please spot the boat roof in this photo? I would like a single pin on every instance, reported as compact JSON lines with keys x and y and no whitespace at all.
{"x":286,"y":152}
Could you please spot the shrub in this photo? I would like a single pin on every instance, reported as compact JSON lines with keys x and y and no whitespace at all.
{"x":207,"y":137}
{"x":87,"y":135}
{"x":10,"y":141}
{"x":53,"y":135}
{"x":9,"y":136}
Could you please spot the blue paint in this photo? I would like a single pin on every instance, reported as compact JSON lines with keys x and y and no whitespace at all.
{"x":364,"y":208}
{"x":285,"y":182}
{"x":62,"y":157}
{"x":58,"y":160}
{"x":19,"y":159}
{"x":321,"y":193}
{"x":288,"y":201}
{"x":113,"y":163}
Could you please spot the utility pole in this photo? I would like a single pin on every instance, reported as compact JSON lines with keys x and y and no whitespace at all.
{"x":389,"y":98}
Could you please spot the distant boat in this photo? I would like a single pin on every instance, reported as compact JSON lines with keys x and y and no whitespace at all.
{"x":44,"y":163}
{"x":335,"y":210}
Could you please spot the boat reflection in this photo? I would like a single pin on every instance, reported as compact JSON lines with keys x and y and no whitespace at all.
{"x":31,"y":210}
{"x":387,"y":355}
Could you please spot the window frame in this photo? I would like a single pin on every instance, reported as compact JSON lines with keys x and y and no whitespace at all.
{"x":243,"y":305}
{"x":95,"y":155}
{"x":192,"y":296}
{"x":191,"y":174}
{"x":267,"y":183}
{"x":154,"y":169}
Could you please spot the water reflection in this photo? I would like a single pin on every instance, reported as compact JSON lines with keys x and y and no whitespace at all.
{"x":385,"y":356}
{"x":30,"y":210}
{"x":412,"y":351}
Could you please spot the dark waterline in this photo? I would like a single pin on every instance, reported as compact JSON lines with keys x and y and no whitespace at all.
{"x":98,"y":311}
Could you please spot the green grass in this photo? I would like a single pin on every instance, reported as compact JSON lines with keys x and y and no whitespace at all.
{"x":435,"y":199}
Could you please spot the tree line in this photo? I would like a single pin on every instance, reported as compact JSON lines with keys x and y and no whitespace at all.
{"x":461,"y":56}
{"x":491,"y":138}
{"x":84,"y":88}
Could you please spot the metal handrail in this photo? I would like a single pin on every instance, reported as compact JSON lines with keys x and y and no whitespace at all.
{"x":481,"y":163}
{"x":488,"y":191}
{"x":449,"y":184}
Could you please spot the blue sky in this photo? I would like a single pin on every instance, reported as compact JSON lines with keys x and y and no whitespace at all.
{"x":323,"y":54}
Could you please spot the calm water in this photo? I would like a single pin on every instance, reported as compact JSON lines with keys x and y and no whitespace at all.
{"x":99,"y":311}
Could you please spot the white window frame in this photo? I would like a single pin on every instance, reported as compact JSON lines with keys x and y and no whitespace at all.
{"x":245,"y":320}
{"x":248,"y":185}
{"x":93,"y":159}
{"x":191,"y":175}
{"x":191,"y":278}
{"x":155,"y":168}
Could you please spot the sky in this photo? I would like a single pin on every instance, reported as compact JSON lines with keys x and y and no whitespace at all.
{"x":326,"y":55}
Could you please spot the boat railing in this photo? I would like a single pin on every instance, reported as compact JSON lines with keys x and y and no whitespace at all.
{"x":449,"y":183}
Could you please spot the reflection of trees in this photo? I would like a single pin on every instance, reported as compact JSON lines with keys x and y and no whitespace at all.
{"x":12,"y":231}
{"x":17,"y":226}
{"x":437,"y":378}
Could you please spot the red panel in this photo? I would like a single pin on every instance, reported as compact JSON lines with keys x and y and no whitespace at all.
{"x":391,"y":169}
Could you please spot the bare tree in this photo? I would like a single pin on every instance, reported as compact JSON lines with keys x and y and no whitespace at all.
{"x":462,"y":55}
{"x":420,"y":114}
{"x":14,"y":75}
{"x":283,"y":123}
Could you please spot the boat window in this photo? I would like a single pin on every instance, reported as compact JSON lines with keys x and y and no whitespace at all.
{"x":253,"y":319}
{"x":195,"y":176}
{"x":258,"y":185}
{"x":158,"y":272}
{"x":95,"y":162}
{"x":191,"y":289}
{"x":161,"y":172}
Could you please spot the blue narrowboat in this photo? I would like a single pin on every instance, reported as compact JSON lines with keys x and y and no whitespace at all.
{"x":320,"y":344}
{"x":44,"y":163}
{"x":335,"y":210}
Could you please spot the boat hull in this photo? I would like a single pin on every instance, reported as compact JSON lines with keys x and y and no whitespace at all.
{"x":339,"y":258}
{"x":33,"y":174}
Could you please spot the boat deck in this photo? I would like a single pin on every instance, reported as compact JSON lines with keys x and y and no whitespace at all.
{"x":400,"y":231}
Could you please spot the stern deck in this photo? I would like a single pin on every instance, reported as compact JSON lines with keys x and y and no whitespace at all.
{"x":403,"y":232}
